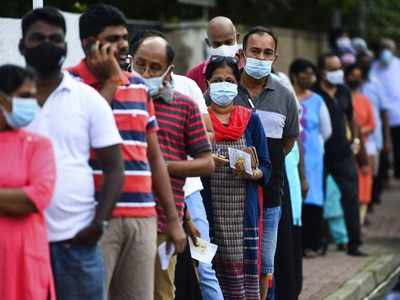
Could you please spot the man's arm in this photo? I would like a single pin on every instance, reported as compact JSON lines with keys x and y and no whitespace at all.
{"x":387,"y":138}
{"x":163,"y":190}
{"x":288,"y":144}
{"x":111,"y":162}
{"x":201,"y":165}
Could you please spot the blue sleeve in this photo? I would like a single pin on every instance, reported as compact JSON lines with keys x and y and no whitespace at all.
{"x":259,"y":141}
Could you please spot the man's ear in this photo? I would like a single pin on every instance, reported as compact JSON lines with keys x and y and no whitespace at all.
{"x":207,"y":42}
{"x":21,"y":47}
{"x":276,"y":57}
{"x":168,"y":76}
{"x":237,"y":37}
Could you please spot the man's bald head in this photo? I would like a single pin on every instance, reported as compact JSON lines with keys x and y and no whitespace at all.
{"x":152,"y":56}
{"x":221,"y":31}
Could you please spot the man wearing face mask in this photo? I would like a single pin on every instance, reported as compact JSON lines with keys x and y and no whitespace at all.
{"x":76,"y":119}
{"x":222,"y":39}
{"x":278,"y":111}
{"x":339,"y":158}
{"x":386,"y":69}
{"x":182,"y":133}
{"x":130,"y":243}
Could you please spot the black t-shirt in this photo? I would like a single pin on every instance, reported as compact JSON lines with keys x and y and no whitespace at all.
{"x":278,"y":111}
{"x":340,"y":108}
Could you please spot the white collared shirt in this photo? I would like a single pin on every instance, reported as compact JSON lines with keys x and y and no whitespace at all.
{"x":76,"y":118}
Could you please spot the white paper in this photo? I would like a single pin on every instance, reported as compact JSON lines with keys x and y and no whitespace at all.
{"x":204,"y":252}
{"x":165,"y":255}
{"x":235,"y":154}
{"x":273,"y":123}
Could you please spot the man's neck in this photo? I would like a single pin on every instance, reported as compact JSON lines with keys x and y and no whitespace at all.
{"x":254,"y":86}
{"x":47,"y":84}
{"x":328,"y":88}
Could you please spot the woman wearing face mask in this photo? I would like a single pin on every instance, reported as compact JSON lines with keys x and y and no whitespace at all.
{"x":364,"y":117}
{"x":232,"y":196}
{"x":27,"y":177}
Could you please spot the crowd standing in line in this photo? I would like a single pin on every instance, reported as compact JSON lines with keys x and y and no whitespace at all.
{"x":117,"y":155}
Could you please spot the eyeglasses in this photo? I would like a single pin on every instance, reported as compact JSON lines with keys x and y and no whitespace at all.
{"x":220,"y":58}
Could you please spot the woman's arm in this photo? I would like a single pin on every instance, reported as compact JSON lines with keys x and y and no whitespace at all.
{"x":325,"y":126}
{"x":36,"y":195}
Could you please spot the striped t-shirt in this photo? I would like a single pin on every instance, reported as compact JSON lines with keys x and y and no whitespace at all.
{"x":181,"y":133}
{"x":134,"y":114}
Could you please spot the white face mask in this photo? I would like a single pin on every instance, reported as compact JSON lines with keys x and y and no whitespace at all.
{"x":335,"y":77}
{"x":224,"y":50}
{"x":343,"y":43}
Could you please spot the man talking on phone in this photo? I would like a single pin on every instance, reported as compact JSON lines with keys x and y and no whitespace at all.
{"x":129,"y":244}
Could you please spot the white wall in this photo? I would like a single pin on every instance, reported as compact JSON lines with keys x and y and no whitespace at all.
{"x":10,"y":34}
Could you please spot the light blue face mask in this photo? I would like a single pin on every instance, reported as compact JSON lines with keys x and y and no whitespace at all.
{"x":223,"y":93}
{"x":155,"y":83}
{"x":386,"y":56}
{"x":257,"y":68}
{"x":22,"y":113}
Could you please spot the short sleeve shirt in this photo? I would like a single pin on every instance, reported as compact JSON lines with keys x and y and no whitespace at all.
{"x":278,"y":110}
{"x":76,"y":118}
{"x":181,"y":134}
{"x":134,"y":114}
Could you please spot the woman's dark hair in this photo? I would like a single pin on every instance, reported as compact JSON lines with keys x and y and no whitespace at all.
{"x":47,"y":14}
{"x":217,"y":62}
{"x":349,"y":69}
{"x":12,"y":77}
{"x":99,"y":16}
{"x":299,"y":66}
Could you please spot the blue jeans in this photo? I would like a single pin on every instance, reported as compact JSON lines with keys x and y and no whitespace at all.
{"x":209,"y":285}
{"x":269,"y":239}
{"x":78,"y":271}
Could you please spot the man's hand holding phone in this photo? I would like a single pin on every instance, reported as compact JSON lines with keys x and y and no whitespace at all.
{"x":102,"y":61}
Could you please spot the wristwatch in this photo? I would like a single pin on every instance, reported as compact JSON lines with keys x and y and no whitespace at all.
{"x":102,"y":226}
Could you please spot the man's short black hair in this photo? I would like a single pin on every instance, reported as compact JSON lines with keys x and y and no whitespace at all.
{"x":140,"y":36}
{"x":99,"y":16}
{"x":47,"y":14}
{"x":322,"y":60}
{"x":259,"y":30}
{"x":12,"y":77}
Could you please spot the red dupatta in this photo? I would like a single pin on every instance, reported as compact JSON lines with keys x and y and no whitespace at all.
{"x":238,"y":121}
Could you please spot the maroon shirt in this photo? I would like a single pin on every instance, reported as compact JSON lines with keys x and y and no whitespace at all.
{"x":181,"y":133}
{"x":198,"y":74}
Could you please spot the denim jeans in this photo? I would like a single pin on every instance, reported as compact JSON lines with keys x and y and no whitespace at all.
{"x":269,"y":239}
{"x":209,"y":284}
{"x":78,"y":271}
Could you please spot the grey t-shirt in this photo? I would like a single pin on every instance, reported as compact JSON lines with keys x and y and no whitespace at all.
{"x":278,"y":111}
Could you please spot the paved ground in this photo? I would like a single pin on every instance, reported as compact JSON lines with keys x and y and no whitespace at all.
{"x":324,"y":275}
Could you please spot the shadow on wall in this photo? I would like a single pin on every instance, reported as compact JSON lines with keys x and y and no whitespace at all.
{"x":187,"y":39}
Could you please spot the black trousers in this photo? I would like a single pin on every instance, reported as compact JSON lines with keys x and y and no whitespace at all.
{"x":312,"y":218}
{"x":288,"y":273}
{"x":396,"y":149}
{"x":345,"y":175}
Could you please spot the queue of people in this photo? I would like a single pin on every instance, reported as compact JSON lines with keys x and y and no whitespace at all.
{"x":118,"y":155}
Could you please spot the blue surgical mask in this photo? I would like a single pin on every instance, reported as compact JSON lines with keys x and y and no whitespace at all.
{"x":258,"y":68}
{"x":223,"y":93}
{"x":22,"y":113}
{"x":386,"y":56}
{"x":155,"y":83}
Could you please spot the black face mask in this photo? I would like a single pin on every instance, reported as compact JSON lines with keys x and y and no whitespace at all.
{"x":354,"y":84}
{"x":45,"y":58}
